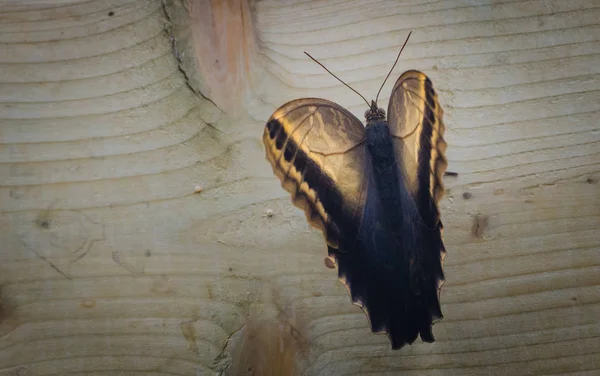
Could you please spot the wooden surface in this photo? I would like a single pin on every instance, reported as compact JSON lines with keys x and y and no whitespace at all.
{"x":112,"y":263}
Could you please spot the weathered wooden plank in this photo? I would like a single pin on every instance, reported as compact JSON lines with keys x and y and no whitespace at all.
{"x":142,"y":231}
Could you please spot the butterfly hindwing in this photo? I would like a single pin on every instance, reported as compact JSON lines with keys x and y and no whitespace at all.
{"x":316,"y":148}
{"x":376,"y":272}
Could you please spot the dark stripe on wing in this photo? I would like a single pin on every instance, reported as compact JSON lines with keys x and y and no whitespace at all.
{"x":340,"y":221}
{"x":429,"y":258}
{"x":424,"y":199}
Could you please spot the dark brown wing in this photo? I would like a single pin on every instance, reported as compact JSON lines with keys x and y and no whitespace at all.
{"x":316,"y":148}
{"x":415,"y":120}
{"x":415,"y":123}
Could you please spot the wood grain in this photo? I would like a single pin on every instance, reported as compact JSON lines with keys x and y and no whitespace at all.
{"x":111,"y":263}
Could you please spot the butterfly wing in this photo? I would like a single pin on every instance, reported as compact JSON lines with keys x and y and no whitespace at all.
{"x":316,"y":148}
{"x":415,"y":123}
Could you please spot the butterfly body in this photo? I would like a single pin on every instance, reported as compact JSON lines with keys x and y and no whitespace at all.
{"x":373,"y":191}
{"x":386,"y":178}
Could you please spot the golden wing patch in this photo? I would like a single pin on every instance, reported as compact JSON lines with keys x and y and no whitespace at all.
{"x":415,"y":120}
{"x":316,"y":149}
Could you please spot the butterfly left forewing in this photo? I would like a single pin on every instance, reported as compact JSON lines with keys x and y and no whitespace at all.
{"x":416,"y":126}
{"x":316,"y":149}
{"x":415,"y":121}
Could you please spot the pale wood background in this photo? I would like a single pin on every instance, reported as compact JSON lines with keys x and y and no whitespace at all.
{"x":111,"y":263}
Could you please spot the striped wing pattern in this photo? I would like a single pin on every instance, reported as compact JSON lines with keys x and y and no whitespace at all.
{"x":316,"y":148}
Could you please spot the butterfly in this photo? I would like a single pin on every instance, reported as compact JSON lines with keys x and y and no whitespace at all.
{"x":373,"y":191}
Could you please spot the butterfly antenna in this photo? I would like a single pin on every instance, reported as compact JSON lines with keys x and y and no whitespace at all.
{"x":350,"y":87}
{"x":390,"y":72}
